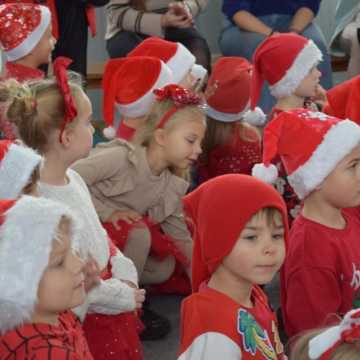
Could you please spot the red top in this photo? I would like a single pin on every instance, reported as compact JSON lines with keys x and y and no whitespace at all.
{"x":65,"y":341}
{"x":210,"y":315}
{"x":239,"y":157}
{"x":321,"y":275}
{"x":125,"y":132}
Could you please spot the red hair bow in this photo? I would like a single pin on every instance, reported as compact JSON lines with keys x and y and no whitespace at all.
{"x":60,"y":71}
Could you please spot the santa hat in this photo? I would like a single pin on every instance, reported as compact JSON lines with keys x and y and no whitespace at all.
{"x":128,"y":84}
{"x":343,"y":100}
{"x":283,"y":60}
{"x":225,"y":195}
{"x":175,"y":55}
{"x":21,"y":28}
{"x":310,"y":145}
{"x":17,"y":164}
{"x":229,"y":91}
{"x":27,"y":230}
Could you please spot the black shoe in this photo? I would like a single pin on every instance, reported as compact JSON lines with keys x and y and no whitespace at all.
{"x":156,"y":326}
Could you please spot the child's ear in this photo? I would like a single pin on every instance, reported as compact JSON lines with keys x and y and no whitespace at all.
{"x":159,"y":136}
{"x":65,"y":138}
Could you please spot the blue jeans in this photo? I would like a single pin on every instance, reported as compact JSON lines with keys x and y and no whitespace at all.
{"x":236,"y":42}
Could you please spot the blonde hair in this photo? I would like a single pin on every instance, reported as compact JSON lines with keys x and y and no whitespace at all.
{"x":145,"y":135}
{"x":221,"y":133}
{"x":36,"y":108}
{"x":299,"y":347}
{"x":272,"y":216}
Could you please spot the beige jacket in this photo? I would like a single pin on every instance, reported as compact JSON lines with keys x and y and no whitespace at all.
{"x":122,"y":17}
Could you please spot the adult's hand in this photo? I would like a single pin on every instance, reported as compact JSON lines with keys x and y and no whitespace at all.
{"x":170,"y":19}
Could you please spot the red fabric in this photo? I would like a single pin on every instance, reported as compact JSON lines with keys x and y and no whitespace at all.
{"x":321,"y":275}
{"x":237,"y":157}
{"x":212,"y":311}
{"x":64,"y":341}
{"x":125,"y":132}
{"x":225,"y":196}
{"x":114,"y":336}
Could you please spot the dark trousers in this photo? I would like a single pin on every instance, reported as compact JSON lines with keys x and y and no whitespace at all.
{"x":124,"y":41}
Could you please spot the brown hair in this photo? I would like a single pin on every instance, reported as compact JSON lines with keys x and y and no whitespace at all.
{"x":36,"y":108}
{"x":31,"y":186}
{"x":299,"y":347}
{"x":221,"y":133}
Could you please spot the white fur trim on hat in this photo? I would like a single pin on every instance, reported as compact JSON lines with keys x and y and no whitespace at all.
{"x":181,"y":63}
{"x":338,"y":142}
{"x":26,"y":238}
{"x":198,"y":72}
{"x":268,"y":174}
{"x":307,"y":58}
{"x":255,"y":117}
{"x":16,"y":169}
{"x":225,"y":117}
{"x":33,"y":39}
{"x":142,"y":106}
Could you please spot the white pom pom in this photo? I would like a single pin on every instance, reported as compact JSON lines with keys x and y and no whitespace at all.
{"x":255,"y":117}
{"x":269,"y":174}
{"x":109,"y":132}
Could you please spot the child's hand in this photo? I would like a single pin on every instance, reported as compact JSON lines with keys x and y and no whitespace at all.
{"x":139,"y":297}
{"x":180,"y":9}
{"x":128,"y":216}
{"x":91,"y":273}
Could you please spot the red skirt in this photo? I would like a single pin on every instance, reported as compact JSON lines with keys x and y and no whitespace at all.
{"x":162,"y":246}
{"x":114,"y":336}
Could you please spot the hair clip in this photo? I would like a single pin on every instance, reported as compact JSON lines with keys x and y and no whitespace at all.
{"x":60,"y":70}
{"x":322,"y":346}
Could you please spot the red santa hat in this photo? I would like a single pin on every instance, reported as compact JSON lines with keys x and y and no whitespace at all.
{"x":225,"y":195}
{"x":283,"y":60}
{"x":343,"y":100}
{"x":175,"y":55}
{"x":229,"y":91}
{"x":128,"y":84}
{"x":310,"y":145}
{"x":21,"y":28}
{"x":17,"y":164}
{"x":28,"y":228}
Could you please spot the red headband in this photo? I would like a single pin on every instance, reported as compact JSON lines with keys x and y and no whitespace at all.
{"x":180,"y":96}
{"x":60,"y":70}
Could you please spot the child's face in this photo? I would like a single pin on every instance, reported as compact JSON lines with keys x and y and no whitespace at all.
{"x":309,"y":85}
{"x":81,"y":134}
{"x":62,"y":285}
{"x":259,"y":252}
{"x":342,"y":187}
{"x":182,"y":143}
{"x":42,"y":51}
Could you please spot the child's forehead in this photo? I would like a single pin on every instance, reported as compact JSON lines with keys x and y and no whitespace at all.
{"x":266,"y":218}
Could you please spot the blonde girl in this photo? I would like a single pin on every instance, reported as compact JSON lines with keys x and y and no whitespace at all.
{"x":59,"y":127}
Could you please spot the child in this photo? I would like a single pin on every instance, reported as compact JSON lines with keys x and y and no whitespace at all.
{"x":19,"y":170}
{"x":228,"y":315}
{"x":59,"y":127}
{"x":341,"y":342}
{"x":128,"y":86}
{"x":230,"y":145}
{"x":41,"y":280}
{"x":27,"y":42}
{"x":137,"y":193}
{"x":321,"y":272}
{"x":293,"y":80}
{"x":343,"y":100}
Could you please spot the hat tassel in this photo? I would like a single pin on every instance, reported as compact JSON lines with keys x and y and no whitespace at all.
{"x":267,"y":173}
{"x":255,"y":117}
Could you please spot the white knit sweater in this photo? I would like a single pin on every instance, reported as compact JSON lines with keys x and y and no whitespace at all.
{"x":111,"y":296}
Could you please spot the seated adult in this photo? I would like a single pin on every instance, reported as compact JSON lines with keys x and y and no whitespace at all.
{"x":131,"y":21}
{"x":249,"y":22}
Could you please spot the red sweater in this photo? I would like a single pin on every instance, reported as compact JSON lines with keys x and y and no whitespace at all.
{"x":321,"y":274}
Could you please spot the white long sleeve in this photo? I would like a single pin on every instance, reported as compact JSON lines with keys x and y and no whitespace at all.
{"x":123,"y":268}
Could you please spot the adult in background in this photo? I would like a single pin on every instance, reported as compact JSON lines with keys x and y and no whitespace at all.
{"x":249,"y":22}
{"x":129,"y":22}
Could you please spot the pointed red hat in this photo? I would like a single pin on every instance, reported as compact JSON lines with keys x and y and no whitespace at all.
{"x":175,"y":55}
{"x":310,"y":145}
{"x":283,"y":60}
{"x":128,"y":84}
{"x":21,"y":28}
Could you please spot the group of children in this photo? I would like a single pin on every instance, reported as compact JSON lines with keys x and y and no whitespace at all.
{"x":82,"y":229}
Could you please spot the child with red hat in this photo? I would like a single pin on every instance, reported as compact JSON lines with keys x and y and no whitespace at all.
{"x":230,"y":145}
{"x":27,"y":43}
{"x":228,"y":315}
{"x":321,"y":272}
{"x":292,"y":81}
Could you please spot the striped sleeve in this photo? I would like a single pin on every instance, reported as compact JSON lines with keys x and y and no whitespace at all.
{"x":196,"y":6}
